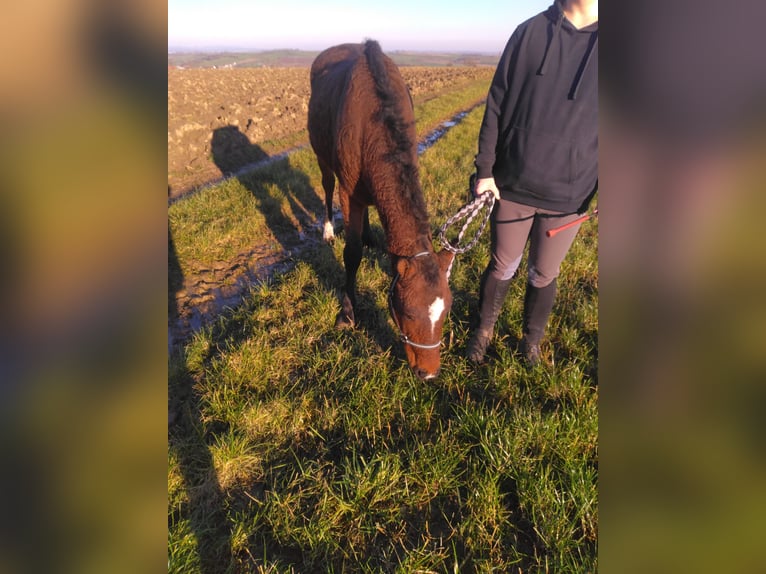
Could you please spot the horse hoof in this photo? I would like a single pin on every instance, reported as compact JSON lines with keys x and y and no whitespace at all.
{"x":344,"y":322}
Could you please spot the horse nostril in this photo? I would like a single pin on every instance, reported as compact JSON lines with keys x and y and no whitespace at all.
{"x":425,"y":375}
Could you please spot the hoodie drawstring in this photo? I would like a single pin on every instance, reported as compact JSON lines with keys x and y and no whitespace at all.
{"x":581,"y":72}
{"x":544,"y":63}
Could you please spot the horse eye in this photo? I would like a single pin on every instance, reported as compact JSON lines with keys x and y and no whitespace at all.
{"x":407,"y":314}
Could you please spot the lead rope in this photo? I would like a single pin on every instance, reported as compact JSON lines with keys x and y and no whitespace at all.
{"x":468,"y":212}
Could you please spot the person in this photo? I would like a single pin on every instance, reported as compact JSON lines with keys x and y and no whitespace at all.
{"x":538,"y":154}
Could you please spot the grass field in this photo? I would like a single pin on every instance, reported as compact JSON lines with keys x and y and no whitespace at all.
{"x":300,"y":448}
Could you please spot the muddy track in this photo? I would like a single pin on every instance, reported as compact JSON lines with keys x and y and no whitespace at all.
{"x":208,"y":293}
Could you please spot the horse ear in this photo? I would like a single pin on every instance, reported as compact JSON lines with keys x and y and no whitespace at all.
{"x":445,"y":261}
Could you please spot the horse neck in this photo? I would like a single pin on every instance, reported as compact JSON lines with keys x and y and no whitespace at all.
{"x":406,"y":232}
{"x":403,"y":242}
{"x":396,"y":189}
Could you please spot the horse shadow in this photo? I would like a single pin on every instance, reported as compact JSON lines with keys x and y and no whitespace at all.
{"x":299,"y":235}
{"x":235,"y":156}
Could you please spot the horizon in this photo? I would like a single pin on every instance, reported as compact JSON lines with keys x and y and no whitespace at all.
{"x":240,"y":50}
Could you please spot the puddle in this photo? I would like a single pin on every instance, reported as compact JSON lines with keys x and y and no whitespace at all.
{"x":439,"y":132}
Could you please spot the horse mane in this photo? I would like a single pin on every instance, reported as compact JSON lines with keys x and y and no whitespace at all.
{"x":398,"y":129}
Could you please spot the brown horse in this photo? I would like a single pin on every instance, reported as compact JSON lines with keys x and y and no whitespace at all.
{"x":362,"y":128}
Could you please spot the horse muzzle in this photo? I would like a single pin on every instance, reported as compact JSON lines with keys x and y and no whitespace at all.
{"x":425,"y":375}
{"x":426,"y":364}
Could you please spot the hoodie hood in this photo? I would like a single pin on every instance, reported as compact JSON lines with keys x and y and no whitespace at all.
{"x":555,"y":13}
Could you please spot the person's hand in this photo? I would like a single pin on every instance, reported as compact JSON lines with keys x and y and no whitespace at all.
{"x":484,"y":185}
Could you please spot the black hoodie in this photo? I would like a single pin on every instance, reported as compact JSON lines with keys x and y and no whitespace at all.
{"x":539,"y":136}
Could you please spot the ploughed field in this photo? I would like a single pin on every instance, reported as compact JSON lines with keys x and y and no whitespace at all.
{"x":222,"y":119}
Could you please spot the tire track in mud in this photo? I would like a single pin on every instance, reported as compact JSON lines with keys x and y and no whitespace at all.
{"x":209,"y":292}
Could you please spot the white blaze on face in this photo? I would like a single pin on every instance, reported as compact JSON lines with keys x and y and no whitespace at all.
{"x":435,"y":311}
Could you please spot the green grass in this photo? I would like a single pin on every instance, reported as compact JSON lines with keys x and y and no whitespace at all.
{"x":429,"y":114}
{"x":300,"y":448}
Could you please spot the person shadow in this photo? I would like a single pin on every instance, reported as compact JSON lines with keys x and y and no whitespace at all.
{"x":204,"y":504}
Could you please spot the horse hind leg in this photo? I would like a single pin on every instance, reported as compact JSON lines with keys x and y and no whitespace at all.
{"x":328,"y":184}
{"x":352,"y":257}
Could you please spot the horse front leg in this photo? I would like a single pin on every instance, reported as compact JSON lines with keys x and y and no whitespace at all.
{"x":367,"y":237}
{"x":352,"y":257}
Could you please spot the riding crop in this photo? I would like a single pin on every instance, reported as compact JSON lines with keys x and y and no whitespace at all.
{"x":555,"y":230}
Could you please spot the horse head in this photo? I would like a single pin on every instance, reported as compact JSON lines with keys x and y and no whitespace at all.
{"x":419,"y":301}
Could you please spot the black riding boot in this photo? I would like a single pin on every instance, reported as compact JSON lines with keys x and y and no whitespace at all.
{"x":538,"y":303}
{"x":493,"y":292}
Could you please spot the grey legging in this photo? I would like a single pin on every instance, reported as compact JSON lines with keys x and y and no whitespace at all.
{"x":514,"y":223}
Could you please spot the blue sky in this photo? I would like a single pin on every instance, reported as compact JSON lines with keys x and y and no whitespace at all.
{"x":477,"y":26}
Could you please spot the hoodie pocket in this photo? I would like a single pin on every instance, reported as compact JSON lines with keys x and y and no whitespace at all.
{"x":540,"y":162}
